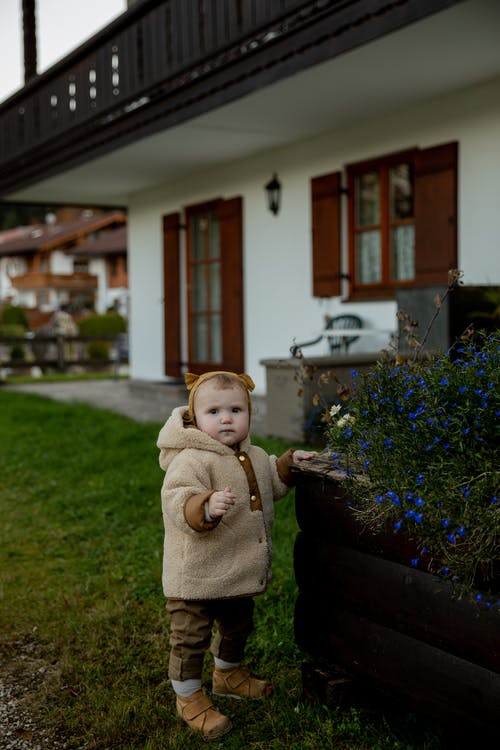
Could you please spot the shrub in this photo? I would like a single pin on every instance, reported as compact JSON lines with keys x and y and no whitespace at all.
{"x":11,"y":330}
{"x":17,"y":352}
{"x":108,"y":324}
{"x":98,"y":350}
{"x":12,"y":315}
{"x":419,"y":444}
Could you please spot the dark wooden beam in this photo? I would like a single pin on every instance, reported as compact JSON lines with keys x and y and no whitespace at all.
{"x":29,"y":40}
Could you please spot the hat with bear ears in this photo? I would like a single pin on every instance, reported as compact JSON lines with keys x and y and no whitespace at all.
{"x":193,"y":382}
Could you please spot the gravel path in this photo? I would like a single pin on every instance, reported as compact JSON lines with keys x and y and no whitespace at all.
{"x":20,"y":673}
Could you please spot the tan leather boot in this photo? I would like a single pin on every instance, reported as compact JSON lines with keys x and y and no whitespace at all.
{"x":239,"y":683}
{"x":200,"y":714}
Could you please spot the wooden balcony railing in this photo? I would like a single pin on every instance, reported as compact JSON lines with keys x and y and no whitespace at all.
{"x":165,"y":61}
{"x":75,"y":281}
{"x":151,"y":50}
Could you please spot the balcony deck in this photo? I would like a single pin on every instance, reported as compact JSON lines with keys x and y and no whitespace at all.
{"x":163,"y":62}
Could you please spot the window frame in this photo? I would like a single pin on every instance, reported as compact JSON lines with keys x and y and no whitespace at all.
{"x":384,"y":289}
{"x":194,"y":212}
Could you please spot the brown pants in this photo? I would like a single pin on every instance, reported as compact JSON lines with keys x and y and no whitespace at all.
{"x":191,"y":624}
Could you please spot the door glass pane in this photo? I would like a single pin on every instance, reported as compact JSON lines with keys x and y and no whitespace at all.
{"x":401,"y":195}
{"x":367,"y":188}
{"x":198,"y":288}
{"x":215,"y":290}
{"x":368,"y":258}
{"x":403,"y":253}
{"x":214,"y":247}
{"x":198,"y":228}
{"x":199,"y":333}
{"x":216,"y":338}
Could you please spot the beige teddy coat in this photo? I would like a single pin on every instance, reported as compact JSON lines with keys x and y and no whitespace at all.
{"x":230,"y":556}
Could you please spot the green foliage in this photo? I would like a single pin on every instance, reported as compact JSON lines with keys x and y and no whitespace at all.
{"x":420,"y":443}
{"x":98,"y":350}
{"x":14,"y":316}
{"x":107,"y":324}
{"x":12,"y":330}
{"x":17,"y":352}
{"x":80,"y":573}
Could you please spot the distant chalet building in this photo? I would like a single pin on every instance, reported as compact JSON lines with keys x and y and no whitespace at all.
{"x":78,"y":260}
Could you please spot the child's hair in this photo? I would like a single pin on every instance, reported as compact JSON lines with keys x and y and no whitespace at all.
{"x":223,"y":379}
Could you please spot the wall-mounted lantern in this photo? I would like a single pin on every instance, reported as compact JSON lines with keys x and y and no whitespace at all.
{"x":273,"y":190}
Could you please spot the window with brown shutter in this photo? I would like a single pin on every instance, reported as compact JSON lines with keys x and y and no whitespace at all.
{"x":402,"y":223}
{"x":381,"y":225}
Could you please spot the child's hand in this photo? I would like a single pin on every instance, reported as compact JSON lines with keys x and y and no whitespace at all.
{"x":220,"y":502}
{"x":299,"y":456}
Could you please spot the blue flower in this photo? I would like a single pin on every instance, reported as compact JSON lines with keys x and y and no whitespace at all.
{"x":414,"y":562}
{"x":451,"y":538}
{"x":397,"y":525}
{"x":461,"y":531}
{"x":420,"y":478}
{"x":445,"y":522}
{"x":419,"y":501}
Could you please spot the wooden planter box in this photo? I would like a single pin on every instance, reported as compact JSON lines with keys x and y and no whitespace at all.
{"x":396,"y":630}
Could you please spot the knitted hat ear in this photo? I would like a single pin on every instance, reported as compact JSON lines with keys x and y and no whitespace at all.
{"x":247,"y":381}
{"x":190,"y":379}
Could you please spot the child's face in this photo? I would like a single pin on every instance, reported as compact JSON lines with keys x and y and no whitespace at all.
{"x":222,"y":413}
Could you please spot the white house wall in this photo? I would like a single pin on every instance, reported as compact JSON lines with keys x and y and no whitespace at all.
{"x":61,"y":263}
{"x":277,"y":250}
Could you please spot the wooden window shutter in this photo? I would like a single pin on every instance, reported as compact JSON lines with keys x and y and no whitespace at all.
{"x":231,"y":243}
{"x":171,"y":290}
{"x":326,"y":251}
{"x":435,"y":213}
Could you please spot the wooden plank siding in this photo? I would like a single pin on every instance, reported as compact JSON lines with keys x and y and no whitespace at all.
{"x":395,"y":630}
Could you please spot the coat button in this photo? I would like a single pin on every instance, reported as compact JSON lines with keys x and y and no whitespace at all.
{"x":253,"y":498}
{"x":242,"y":458}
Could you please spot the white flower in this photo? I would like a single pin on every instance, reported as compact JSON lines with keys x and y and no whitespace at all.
{"x":345,"y":420}
{"x":335,"y":410}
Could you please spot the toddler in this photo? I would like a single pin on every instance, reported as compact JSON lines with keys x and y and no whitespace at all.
{"x":217,"y":500}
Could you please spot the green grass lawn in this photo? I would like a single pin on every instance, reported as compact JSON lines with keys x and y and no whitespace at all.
{"x":82,"y":615}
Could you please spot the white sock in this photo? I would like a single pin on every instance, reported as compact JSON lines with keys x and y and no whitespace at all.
{"x":185,"y":688}
{"x":221,"y":664}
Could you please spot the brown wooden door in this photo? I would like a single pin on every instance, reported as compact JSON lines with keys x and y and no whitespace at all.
{"x":215,"y":286}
